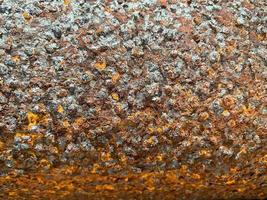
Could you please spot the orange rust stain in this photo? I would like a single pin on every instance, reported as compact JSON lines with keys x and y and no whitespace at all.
{"x":100,"y":65}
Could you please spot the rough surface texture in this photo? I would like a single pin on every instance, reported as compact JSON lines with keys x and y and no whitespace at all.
{"x":133,"y":99}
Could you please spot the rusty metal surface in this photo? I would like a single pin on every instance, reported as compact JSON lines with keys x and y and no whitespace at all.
{"x":133,"y":99}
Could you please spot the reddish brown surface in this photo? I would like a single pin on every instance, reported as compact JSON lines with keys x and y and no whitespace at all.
{"x":238,"y":181}
{"x":133,"y":99}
